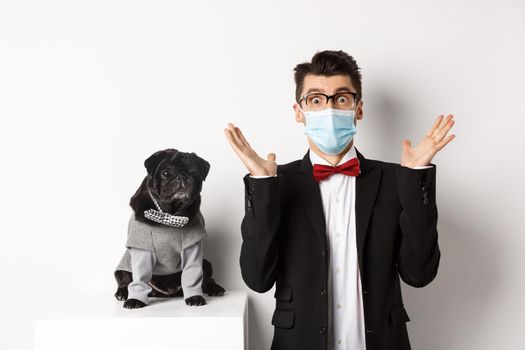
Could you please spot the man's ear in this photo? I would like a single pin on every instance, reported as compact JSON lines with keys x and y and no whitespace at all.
{"x":154,"y":160}
{"x":299,"y":116}
{"x":359,"y":110}
{"x":202,"y":165}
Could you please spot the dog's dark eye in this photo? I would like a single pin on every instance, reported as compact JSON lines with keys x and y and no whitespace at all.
{"x":165,"y":173}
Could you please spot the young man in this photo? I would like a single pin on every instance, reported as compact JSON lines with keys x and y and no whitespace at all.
{"x":335,"y":231}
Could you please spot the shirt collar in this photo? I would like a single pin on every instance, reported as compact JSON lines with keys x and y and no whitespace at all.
{"x":315,"y":159}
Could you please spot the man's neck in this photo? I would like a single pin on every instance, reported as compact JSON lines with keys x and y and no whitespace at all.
{"x":333,"y":160}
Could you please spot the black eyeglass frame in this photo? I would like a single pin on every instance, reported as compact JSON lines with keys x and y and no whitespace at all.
{"x":354,"y":94}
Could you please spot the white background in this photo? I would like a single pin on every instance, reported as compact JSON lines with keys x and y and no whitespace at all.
{"x":89,"y":89}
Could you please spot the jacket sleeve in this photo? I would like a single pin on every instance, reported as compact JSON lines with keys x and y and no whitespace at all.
{"x":259,"y":228}
{"x":419,"y":254}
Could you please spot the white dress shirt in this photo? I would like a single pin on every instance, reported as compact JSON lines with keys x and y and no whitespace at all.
{"x":346,"y":327}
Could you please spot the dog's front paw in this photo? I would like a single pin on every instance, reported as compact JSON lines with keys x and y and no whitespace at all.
{"x":121,"y":293}
{"x":195,"y":300}
{"x":134,"y":304}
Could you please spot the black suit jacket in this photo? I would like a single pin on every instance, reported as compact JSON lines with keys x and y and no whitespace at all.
{"x":284,"y":242}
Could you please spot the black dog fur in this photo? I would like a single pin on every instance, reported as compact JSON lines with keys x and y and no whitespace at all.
{"x":167,"y":170}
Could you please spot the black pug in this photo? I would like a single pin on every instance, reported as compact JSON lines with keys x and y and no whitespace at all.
{"x":164,"y":247}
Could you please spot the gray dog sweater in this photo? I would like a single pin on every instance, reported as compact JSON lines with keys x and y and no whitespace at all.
{"x":163,"y":247}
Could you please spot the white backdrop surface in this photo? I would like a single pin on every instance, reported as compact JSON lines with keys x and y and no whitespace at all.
{"x":89,"y":89}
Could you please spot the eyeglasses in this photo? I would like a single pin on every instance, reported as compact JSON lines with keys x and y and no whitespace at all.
{"x":318,"y":101}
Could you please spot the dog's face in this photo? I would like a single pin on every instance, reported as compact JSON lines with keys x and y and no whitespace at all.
{"x":175,"y":177}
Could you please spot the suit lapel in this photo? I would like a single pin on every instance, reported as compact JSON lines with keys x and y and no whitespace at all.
{"x":310,"y":194}
{"x":367,"y":185}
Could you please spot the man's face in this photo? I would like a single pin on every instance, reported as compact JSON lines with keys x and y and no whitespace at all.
{"x":329,"y":86}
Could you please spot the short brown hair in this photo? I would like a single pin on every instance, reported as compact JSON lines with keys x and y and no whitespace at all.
{"x":328,"y":63}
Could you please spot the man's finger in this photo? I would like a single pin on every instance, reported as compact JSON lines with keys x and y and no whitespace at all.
{"x":231,"y":134}
{"x":436,"y":124}
{"x":233,"y":142}
{"x":271,"y":157}
{"x":444,"y":130}
{"x":236,"y":137}
{"x":241,"y":137}
{"x":230,"y":138}
{"x":445,"y":141}
{"x":444,"y":122}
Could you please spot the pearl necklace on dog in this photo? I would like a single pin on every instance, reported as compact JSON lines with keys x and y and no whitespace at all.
{"x":163,"y":217}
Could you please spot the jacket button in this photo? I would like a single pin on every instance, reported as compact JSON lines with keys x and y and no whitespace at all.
{"x":323,"y":292}
{"x":368,"y":331}
{"x":252,"y":189}
{"x":365,"y":292}
{"x":322,"y":252}
{"x":322,"y":330}
{"x":425,"y":198}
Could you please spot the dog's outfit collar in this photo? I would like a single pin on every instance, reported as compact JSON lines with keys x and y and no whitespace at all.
{"x":163,"y":217}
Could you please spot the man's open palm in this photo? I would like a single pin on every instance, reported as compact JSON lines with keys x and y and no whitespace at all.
{"x":256,"y":165}
{"x":433,"y":142}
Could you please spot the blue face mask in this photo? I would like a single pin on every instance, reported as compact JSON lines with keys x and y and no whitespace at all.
{"x":330,"y":129}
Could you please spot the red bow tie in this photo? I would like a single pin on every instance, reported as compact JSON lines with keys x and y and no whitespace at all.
{"x":350,"y":168}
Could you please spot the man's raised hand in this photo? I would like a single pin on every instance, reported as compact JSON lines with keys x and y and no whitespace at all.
{"x":256,"y":165}
{"x":432,"y":143}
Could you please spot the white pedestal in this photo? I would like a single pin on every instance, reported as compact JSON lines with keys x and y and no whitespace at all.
{"x":100,"y":322}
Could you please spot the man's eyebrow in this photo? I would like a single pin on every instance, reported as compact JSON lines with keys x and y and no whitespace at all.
{"x":344,"y":88}
{"x":313,"y":90}
{"x":339,"y":89}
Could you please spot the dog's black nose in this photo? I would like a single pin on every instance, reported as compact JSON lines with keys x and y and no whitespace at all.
{"x":181,"y":177}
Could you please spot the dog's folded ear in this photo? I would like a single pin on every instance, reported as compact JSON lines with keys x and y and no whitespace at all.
{"x":154,"y":160}
{"x":141,"y":201}
{"x":202,"y":165}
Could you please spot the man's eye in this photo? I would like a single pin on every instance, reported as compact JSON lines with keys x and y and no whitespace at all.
{"x":316,"y":100}
{"x":341,"y":99}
